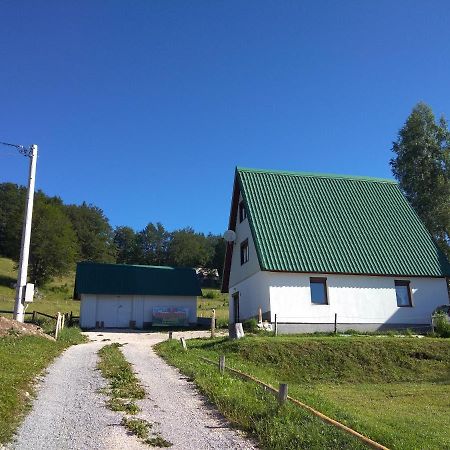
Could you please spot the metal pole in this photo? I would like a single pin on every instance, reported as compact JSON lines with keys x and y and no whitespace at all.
{"x":26,"y":236}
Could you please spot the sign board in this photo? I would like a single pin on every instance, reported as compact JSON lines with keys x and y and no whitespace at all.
{"x":164,"y":316}
{"x":29,"y":292}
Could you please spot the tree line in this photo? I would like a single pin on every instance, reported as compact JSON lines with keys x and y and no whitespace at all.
{"x":64,"y":234}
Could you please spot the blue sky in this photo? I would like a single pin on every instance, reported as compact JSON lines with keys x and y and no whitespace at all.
{"x":144,"y":108}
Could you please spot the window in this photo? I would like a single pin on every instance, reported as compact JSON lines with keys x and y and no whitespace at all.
{"x":242,"y":212}
{"x":319,"y":295}
{"x":403,"y":293}
{"x":244,"y":252}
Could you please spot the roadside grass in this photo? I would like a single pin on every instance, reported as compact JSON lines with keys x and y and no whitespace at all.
{"x":124,"y":387}
{"x":395,"y":390}
{"x":22,"y":358}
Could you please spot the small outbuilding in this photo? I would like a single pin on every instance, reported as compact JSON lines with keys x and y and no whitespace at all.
{"x":132,"y":296}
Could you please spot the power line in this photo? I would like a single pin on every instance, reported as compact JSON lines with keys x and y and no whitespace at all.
{"x":26,"y":151}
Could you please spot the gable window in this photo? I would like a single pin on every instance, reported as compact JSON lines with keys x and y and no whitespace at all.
{"x":319,"y":294}
{"x":242,"y":212}
{"x":403,"y":293}
{"x":244,"y":252}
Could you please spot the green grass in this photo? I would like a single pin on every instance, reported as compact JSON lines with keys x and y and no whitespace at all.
{"x":213,"y":299}
{"x":143,"y":430}
{"x":22,"y":358}
{"x":394,"y":390}
{"x":124,"y":387}
{"x":53,"y":297}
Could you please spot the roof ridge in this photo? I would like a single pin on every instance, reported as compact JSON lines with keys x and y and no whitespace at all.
{"x":134,"y":265}
{"x":317,"y":175}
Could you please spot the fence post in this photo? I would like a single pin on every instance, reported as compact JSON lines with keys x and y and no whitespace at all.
{"x":71,"y":319}
{"x":222,"y":364}
{"x":58,"y":324}
{"x":213,"y":324}
{"x":335,"y":323}
{"x":432,"y":323}
{"x":260,"y":315}
{"x":276,"y":326}
{"x":170,"y":335}
{"x":63,"y":321}
{"x":282,"y":393}
{"x":183,"y":343}
{"x":33,"y":318}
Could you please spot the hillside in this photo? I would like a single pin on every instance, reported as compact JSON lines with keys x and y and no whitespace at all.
{"x":55,"y":296}
{"x":394,"y":389}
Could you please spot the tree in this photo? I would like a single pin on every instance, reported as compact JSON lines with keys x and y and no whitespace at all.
{"x":422,"y":167}
{"x":218,"y":259}
{"x":12,"y":204}
{"x":93,"y":231}
{"x":126,"y":243}
{"x":54,"y":245}
{"x":190,"y":249}
{"x":152,"y":244}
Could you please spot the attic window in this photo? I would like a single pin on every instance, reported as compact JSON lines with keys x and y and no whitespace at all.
{"x":319,"y":294}
{"x":403,"y":293}
{"x":244,"y":252}
{"x":242,"y":212}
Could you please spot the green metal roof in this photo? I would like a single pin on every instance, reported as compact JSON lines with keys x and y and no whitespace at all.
{"x":121,"y":279}
{"x":303,"y":222}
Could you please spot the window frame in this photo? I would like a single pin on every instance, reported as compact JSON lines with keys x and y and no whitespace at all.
{"x":407,"y":284}
{"x":322,"y":280}
{"x":245,"y":252}
{"x":242,"y":211}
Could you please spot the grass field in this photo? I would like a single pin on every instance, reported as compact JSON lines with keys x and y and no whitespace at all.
{"x":394,"y":390}
{"x":21,"y":360}
{"x":56,"y":296}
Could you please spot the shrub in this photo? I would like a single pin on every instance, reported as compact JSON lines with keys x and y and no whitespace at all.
{"x":250,"y":325}
{"x":210,"y":294}
{"x":441,"y":325}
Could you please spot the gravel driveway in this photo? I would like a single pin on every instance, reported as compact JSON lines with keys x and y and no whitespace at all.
{"x":69,"y":412}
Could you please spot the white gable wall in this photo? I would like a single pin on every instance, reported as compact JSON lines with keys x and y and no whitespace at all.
{"x":240,"y":272}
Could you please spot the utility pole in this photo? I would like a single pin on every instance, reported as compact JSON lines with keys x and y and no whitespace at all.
{"x":21,"y":286}
{"x":19,"y":307}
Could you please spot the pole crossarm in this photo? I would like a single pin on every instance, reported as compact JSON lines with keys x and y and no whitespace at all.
{"x":26,"y":151}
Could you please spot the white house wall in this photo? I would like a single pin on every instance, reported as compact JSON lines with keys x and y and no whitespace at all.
{"x":94,"y":306}
{"x":240,"y":272}
{"x":366,"y":300}
{"x":253,"y":293}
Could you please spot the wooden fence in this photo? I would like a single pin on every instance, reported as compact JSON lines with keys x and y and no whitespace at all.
{"x":283,"y":397}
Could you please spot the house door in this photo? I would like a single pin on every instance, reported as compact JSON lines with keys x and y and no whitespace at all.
{"x":236,"y":307}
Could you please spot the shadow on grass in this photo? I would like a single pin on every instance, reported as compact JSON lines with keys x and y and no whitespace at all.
{"x":7,"y":281}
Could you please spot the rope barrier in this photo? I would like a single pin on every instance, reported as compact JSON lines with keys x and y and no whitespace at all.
{"x":371,"y":443}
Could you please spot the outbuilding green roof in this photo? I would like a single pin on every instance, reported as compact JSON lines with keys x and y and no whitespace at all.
{"x":122,"y":279}
{"x":303,"y":222}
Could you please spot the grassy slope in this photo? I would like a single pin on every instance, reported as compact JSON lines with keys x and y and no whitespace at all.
{"x":213,"y":299}
{"x":395,"y":390}
{"x":56,"y":296}
{"x":21,"y":360}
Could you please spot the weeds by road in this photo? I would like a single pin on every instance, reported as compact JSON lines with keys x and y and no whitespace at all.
{"x":22,"y":358}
